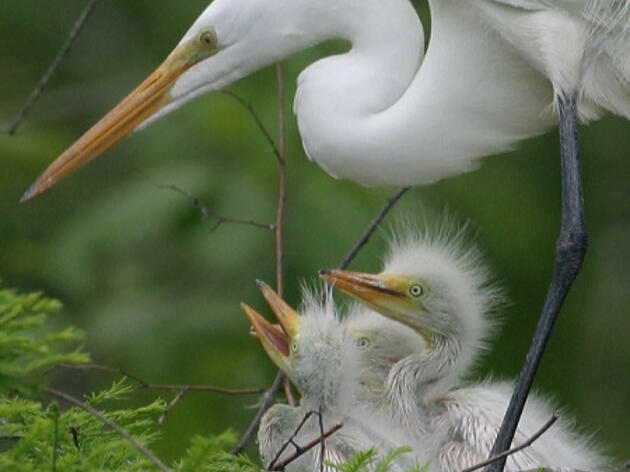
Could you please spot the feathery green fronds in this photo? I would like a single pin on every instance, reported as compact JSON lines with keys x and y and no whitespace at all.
{"x":25,"y":348}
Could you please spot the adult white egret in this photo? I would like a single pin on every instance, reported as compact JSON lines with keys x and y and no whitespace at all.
{"x":336,"y":370}
{"x":442,"y":290}
{"x":384,"y":114}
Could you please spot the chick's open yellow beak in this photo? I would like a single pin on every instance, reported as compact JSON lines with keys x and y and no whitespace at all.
{"x":273,"y":339}
{"x":287,"y":316}
{"x":147,"y":99}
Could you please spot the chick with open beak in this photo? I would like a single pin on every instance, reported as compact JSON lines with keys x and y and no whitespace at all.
{"x":322,"y":357}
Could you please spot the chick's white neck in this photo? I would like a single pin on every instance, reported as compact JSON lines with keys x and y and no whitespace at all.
{"x":416,"y":381}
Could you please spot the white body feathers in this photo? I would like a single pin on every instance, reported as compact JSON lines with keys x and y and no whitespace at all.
{"x":385,"y":113}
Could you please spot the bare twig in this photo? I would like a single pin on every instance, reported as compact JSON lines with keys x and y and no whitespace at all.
{"x":322,"y":449}
{"x":206,"y":213}
{"x":515,"y":449}
{"x":268,"y":399}
{"x":37,"y":91}
{"x":291,"y":440}
{"x":118,"y":429}
{"x":372,"y":227}
{"x":308,"y":447}
{"x":152,"y":386}
{"x":170,"y":406}
{"x":75,"y":436}
{"x":280,"y":154}
{"x":282,"y":200}
{"x":249,"y":107}
{"x":282,"y":181}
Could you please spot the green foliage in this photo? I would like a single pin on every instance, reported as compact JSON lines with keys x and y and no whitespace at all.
{"x":367,"y":462}
{"x":208,"y":454}
{"x":25,"y":349}
{"x":43,"y":437}
{"x":36,"y":436}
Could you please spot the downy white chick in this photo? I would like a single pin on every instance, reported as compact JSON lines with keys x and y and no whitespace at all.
{"x":326,"y":360}
{"x":441,"y":289}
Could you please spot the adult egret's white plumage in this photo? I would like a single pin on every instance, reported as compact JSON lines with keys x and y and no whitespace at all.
{"x":442,"y":290}
{"x":324,"y":364}
{"x":383,"y":113}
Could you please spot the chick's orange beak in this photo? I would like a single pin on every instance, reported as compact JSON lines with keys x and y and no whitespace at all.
{"x":287,"y":316}
{"x":272,"y":337}
{"x":368,"y":288}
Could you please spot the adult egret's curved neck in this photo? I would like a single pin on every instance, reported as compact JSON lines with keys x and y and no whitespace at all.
{"x":387,"y":43}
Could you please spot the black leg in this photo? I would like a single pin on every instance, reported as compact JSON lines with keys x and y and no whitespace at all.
{"x":570,"y":250}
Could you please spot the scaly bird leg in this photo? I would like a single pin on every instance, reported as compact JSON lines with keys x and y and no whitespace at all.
{"x":570,"y":249}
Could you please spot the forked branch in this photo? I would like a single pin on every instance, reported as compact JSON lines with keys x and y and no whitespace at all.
{"x":282,"y":465}
{"x":154,"y":386}
{"x":220,"y":220}
{"x":63,"y":52}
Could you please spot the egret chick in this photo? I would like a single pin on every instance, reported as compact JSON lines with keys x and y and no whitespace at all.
{"x":442,"y":290}
{"x":324,"y":360}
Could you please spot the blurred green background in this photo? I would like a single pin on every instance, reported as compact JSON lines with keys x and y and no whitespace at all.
{"x":157,"y":291}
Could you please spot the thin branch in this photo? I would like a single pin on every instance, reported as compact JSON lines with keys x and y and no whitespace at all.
{"x":118,"y":429}
{"x":291,"y":440}
{"x":372,"y":227}
{"x":170,"y":406}
{"x":308,"y":447}
{"x":152,"y":386}
{"x":206,"y":213}
{"x":515,"y":449}
{"x":268,"y":399}
{"x":249,"y":107}
{"x":74,"y":431}
{"x":37,"y":91}
{"x":280,"y":380}
{"x":282,"y":201}
{"x":322,"y":449}
{"x":282,"y":181}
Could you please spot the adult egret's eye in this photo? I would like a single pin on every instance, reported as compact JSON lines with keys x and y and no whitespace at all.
{"x":416,"y":290}
{"x":294,"y":346}
{"x":363,"y":342}
{"x":208,"y":38}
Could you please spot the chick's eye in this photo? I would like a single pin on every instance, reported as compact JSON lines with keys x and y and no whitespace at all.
{"x":294,"y":346}
{"x":363,"y":342}
{"x":208,"y":38}
{"x":416,"y":290}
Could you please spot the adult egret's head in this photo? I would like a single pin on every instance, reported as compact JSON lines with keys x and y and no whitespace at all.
{"x":432,"y":285}
{"x":231,"y":39}
{"x":308,"y":347}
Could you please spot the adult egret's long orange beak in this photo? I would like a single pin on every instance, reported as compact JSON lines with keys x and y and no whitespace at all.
{"x":147,"y":99}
